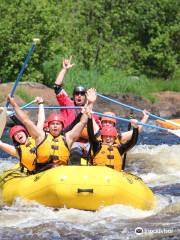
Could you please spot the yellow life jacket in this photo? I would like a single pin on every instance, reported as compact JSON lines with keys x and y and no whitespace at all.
{"x":27,"y":154}
{"x":53,"y":150}
{"x":108,"y":156}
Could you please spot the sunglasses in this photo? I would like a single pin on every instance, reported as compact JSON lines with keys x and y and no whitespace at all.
{"x":80,"y":93}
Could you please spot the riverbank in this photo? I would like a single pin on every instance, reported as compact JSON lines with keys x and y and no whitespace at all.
{"x":167,"y":104}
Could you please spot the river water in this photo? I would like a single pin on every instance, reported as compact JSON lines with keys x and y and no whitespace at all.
{"x":156,"y":159}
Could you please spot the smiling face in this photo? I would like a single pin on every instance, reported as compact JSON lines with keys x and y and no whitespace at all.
{"x":55,"y":128}
{"x":109,"y":140}
{"x":79,"y":98}
{"x":20,"y":137}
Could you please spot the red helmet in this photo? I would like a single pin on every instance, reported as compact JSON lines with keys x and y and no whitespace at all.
{"x":55,"y":117}
{"x":15,"y":129}
{"x":109,"y":131}
{"x":108,"y":118}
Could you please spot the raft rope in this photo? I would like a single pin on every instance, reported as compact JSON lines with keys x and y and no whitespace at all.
{"x":13,"y":173}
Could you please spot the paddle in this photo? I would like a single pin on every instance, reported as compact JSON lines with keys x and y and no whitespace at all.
{"x":22,"y":107}
{"x":3,"y":114}
{"x":49,"y":107}
{"x":35,"y":41}
{"x":136,"y":109}
{"x":175,"y":132}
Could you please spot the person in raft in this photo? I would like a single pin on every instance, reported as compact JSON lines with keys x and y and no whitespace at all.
{"x":124,"y":136}
{"x":106,"y":152}
{"x":80,"y":148}
{"x":52,"y":148}
{"x":24,"y":147}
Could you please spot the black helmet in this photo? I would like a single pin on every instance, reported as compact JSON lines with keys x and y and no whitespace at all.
{"x":79,"y":89}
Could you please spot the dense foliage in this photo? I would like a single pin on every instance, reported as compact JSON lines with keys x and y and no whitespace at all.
{"x":135,"y":36}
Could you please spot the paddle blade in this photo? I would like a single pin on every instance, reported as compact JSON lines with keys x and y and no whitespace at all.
{"x":170,"y":124}
{"x":175,"y":132}
{"x":2,"y":121}
{"x":174,"y":122}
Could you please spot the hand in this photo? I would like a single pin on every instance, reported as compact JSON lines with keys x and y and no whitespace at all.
{"x":39,"y":100}
{"x":87,"y":110}
{"x":1,"y":109}
{"x":12,"y":101}
{"x":134,"y":123}
{"x":146,"y":113}
{"x":91,"y":95}
{"x":67,"y":63}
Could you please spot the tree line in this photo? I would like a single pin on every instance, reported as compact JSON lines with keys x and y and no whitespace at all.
{"x":135,"y":36}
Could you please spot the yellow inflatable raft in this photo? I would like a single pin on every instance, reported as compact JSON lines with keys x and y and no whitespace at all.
{"x":169,"y":124}
{"x":80,"y":187}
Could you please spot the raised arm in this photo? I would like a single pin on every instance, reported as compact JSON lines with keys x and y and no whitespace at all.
{"x":70,"y":127}
{"x":33,"y":130}
{"x":75,"y":133}
{"x":132,"y":142}
{"x":66,"y":66}
{"x":41,"y":113}
{"x":126,"y":136}
{"x":144,"y":119}
{"x":11,"y":150}
{"x":91,"y":97}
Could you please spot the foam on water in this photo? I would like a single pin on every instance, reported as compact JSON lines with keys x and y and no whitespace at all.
{"x":156,"y":165}
{"x":24,"y":213}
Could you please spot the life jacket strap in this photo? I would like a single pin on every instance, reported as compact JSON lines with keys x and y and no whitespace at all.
{"x":110,"y":156}
{"x":54,"y":147}
{"x":53,"y":158}
{"x":110,"y":166}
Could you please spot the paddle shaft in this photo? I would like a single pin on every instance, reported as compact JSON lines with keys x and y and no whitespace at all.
{"x":98,"y":113}
{"x":22,"y":70}
{"x":128,"y":106}
{"x":127,"y":120}
{"x":47,"y":107}
{"x":24,"y":106}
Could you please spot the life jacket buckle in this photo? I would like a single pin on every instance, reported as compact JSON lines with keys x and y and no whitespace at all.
{"x":55,"y":140}
{"x":110,"y":156}
{"x":33,"y":150}
{"x":28,"y":144}
{"x":54,"y":158}
{"x":54,"y":147}
{"x":110,"y":149}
